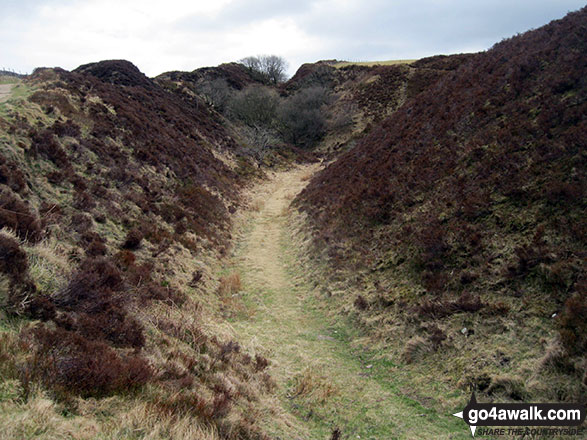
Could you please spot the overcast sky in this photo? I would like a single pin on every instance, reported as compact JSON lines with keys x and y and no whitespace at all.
{"x":165,"y":35}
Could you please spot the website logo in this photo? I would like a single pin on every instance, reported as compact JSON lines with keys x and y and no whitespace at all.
{"x":524,"y":414}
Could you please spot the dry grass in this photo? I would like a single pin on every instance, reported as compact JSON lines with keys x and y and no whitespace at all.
{"x":314,"y":387}
{"x":307,"y":176}
{"x":317,"y":377}
{"x":10,"y":233}
{"x":8,"y":79}
{"x":372,"y":63}
{"x":205,"y":384}
{"x":229,"y":285}
{"x":257,"y":205}
{"x":48,"y":264}
{"x":4,"y":290}
{"x":416,"y":348}
{"x":289,"y":195}
{"x":42,"y":418}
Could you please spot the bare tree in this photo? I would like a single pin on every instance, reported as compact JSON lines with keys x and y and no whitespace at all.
{"x":252,"y":63}
{"x":274,"y":67}
{"x":271,"y":68}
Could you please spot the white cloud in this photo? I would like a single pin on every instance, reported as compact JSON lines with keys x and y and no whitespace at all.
{"x":183,"y":34}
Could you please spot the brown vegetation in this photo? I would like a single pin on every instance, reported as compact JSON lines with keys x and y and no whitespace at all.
{"x":129,"y":183}
{"x":229,"y":284}
{"x":473,"y":190}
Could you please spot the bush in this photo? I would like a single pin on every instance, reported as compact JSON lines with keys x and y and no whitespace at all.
{"x":361,"y":303}
{"x":260,"y":363}
{"x":572,"y":323}
{"x":13,"y":260}
{"x":96,"y":248}
{"x":113,"y":325}
{"x":68,"y":363}
{"x":11,"y":175}
{"x":22,"y":298}
{"x":67,"y":128}
{"x":91,"y":288}
{"x":302,"y":120}
{"x":81,"y":222}
{"x":45,"y":145}
{"x":17,"y":215}
{"x":255,"y":106}
{"x":96,"y":307}
{"x":41,"y":307}
{"x":83,"y":201}
{"x":133,"y":239}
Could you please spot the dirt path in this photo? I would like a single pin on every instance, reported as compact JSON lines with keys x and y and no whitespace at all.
{"x":5,"y":90}
{"x":321,"y":382}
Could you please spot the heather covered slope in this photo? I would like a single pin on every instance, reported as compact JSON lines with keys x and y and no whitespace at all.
{"x":236,"y":75}
{"x":129,"y":128}
{"x":362,"y":96}
{"x":465,"y":210}
{"x":115,"y":199}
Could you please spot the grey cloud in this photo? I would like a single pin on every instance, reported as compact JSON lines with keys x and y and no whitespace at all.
{"x":436,"y":26}
{"x":365,"y":30}
{"x":243,"y":12}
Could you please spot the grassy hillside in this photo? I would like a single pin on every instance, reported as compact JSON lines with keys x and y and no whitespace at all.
{"x":460,"y":220}
{"x":115,"y":198}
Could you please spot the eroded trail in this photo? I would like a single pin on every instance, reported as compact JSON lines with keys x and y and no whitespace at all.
{"x":322,"y":384}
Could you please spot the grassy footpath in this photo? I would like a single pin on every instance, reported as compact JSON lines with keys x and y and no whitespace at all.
{"x":322,"y":381}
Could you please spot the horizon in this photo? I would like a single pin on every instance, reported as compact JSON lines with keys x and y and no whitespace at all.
{"x":185,"y":36}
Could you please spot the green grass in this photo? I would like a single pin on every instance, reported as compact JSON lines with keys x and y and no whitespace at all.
{"x":19,"y":91}
{"x":17,"y":102}
{"x":359,"y":419}
{"x":323,"y":379}
{"x":7,"y":79}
